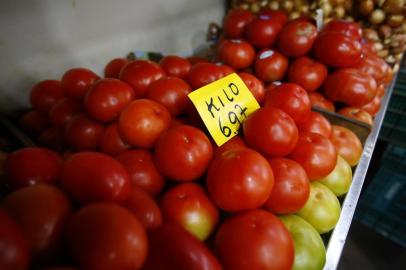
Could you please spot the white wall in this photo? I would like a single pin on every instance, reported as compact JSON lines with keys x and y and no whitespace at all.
{"x":40,"y":39}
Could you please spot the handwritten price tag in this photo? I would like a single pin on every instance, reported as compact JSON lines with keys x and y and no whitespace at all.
{"x":223,"y":105}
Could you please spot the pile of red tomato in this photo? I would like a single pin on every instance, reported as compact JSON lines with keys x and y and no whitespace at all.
{"x":135,"y":182}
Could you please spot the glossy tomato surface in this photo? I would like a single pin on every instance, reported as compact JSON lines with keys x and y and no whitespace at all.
{"x":318,"y":100}
{"x":270,"y":65}
{"x":357,"y":113}
{"x":373,"y":107}
{"x":114,"y":67}
{"x":308,"y":73}
{"x":45,"y":94}
{"x":271,"y":132}
{"x":111,"y":142}
{"x":183,"y":153}
{"x":235,"y":21}
{"x":255,"y":239}
{"x":254,"y":85}
{"x":239,"y":179}
{"x":98,"y":230}
{"x":262,"y":31}
{"x":83,"y":133}
{"x":175,"y":66}
{"x":91,"y":177}
{"x":76,"y":81}
{"x":234,"y":143}
{"x":237,"y":53}
{"x":203,"y":73}
{"x":63,"y":111}
{"x":316,"y":123}
{"x":350,"y":29}
{"x":340,"y":179}
{"x":347,"y":144}
{"x":296,"y":38}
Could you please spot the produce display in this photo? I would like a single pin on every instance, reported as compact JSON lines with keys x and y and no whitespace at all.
{"x":126,"y":175}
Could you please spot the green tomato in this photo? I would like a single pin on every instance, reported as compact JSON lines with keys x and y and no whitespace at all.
{"x":322,"y":209}
{"x":339,"y":180}
{"x":310,"y":253}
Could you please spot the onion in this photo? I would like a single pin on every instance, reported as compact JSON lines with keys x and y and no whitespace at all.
{"x":366,"y":7}
{"x":385,"y":31}
{"x":377,"y":16}
{"x":395,"y":20}
{"x":255,"y":7}
{"x":378,"y":46}
{"x":294,"y":15}
{"x":274,"y":5}
{"x":383,"y":53}
{"x":327,"y":8}
{"x":394,"y":6}
{"x":370,"y":34}
{"x":339,"y":12}
{"x":287,"y":6}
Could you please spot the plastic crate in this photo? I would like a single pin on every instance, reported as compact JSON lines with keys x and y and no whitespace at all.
{"x":383,"y":205}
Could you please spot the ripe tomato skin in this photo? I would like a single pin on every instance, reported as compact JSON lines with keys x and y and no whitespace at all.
{"x":262,"y":31}
{"x":347,"y":144}
{"x":373,"y":107}
{"x":142,"y":122}
{"x":316,"y":154}
{"x":374,"y":66}
{"x":144,"y":207}
{"x":380,"y":90}
{"x":45,"y":94}
{"x":277,"y":15}
{"x":171,"y":92}
{"x":271,"y":132}
{"x":139,"y":74}
{"x":350,"y":86}
{"x":52,"y":138}
{"x":357,"y":113}
{"x":203,"y":73}
{"x":111,"y":142}
{"x":91,"y":177}
{"x":350,"y":29}
{"x":234,"y":143}
{"x":114,"y":67}
{"x":63,"y":111}
{"x":33,"y":123}
{"x":291,"y":187}
{"x":307,"y":73}
{"x":337,"y":50}
{"x":227,"y":70}
{"x":237,"y":53}
{"x":175,"y":66}
{"x":41,"y":211}
{"x":172,"y":248}
{"x":239,"y":179}
{"x":296,"y":38}
{"x":60,"y":268}
{"x":235,"y":21}
{"x":316,"y":123}
{"x":188,"y":205}
{"x":290,"y":98}
{"x":31,"y":166}
{"x":83,"y":133}
{"x":143,"y":172}
{"x":98,"y":230}
{"x":183,"y":153}
{"x":248,"y":240}
{"x":14,"y":253}
{"x":254,"y":85}
{"x":107,"y":98}
{"x":76,"y":81}
{"x":270,"y":65}
{"x":318,"y":100}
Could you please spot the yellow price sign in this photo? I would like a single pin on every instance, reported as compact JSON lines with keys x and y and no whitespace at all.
{"x":223,"y":105}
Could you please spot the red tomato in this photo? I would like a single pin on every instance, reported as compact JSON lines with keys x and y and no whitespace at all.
{"x":347,"y":144}
{"x":204,"y":73}
{"x":106,"y":236}
{"x":254,"y":239}
{"x":237,"y":53}
{"x":317,"y":100}
{"x":270,"y":65}
{"x":316,"y":154}
{"x":254,"y":85}
{"x":32,"y":166}
{"x":173,"y":248}
{"x":14,"y":253}
{"x":188,"y":205}
{"x":291,"y":187}
{"x":111,"y":142}
{"x":107,"y":98}
{"x":235,"y":21}
{"x":143,"y":172}
{"x":90,"y":177}
{"x":60,"y":268}
{"x":76,"y":81}
{"x":183,"y":153}
{"x":114,"y":67}
{"x":296,"y":38}
{"x":373,"y":107}
{"x":142,"y":122}
{"x":45,"y":94}
{"x":143,"y":206}
{"x":52,"y":138}
{"x":63,"y":111}
{"x":350,"y":29}
{"x":277,"y":15}
{"x":358,"y":114}
{"x":42,"y":212}
{"x":380,"y":90}
{"x":33,"y":123}
{"x":179,"y":121}
{"x":290,"y":98}
{"x":139,"y":74}
{"x":239,"y":179}
{"x":227,"y":70}
{"x":262,"y":31}
{"x":83,"y":133}
{"x":307,"y":73}
{"x":175,"y":66}
{"x":271,"y":132}
{"x":171,"y":92}
{"x":316,"y":123}
{"x":337,"y":50}
{"x":350,"y":86}
{"x":235,"y":142}
{"x":374,"y":66}
{"x":196,"y":60}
